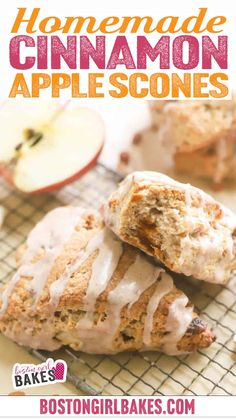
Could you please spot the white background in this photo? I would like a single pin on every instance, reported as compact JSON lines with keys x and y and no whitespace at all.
{"x":205,"y":407}
{"x":122,"y":117}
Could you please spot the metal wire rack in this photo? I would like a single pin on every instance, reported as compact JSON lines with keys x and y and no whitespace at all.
{"x":208,"y":372}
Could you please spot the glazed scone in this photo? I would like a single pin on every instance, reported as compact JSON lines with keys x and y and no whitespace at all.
{"x":183,"y":227}
{"x":79,"y":285}
{"x":191,"y":125}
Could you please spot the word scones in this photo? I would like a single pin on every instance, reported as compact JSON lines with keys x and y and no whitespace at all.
{"x":83,"y":57}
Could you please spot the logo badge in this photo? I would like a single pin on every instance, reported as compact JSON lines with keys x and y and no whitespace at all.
{"x":31,"y":375}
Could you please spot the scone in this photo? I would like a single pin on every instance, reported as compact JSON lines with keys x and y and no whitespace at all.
{"x":194,"y":138}
{"x":183,"y":227}
{"x":216,"y":160}
{"x":201,"y":137}
{"x":77,"y":284}
{"x":191,"y":125}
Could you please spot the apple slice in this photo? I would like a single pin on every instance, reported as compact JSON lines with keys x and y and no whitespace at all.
{"x":2,"y":215}
{"x":46,"y":146}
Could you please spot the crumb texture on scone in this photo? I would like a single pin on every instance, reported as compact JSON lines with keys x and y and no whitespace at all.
{"x":216,"y":160}
{"x":183,"y":227}
{"x":191,"y":125}
{"x":194,"y":138}
{"x":200,"y":136}
{"x":77,"y":284}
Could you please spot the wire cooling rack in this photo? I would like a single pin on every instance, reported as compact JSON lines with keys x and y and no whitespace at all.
{"x":207,"y":372}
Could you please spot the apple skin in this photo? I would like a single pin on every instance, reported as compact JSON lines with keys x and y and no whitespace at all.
{"x":7,"y":174}
{"x":75,"y":137}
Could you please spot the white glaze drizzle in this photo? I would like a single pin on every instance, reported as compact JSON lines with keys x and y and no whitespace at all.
{"x":50,"y":234}
{"x":221,"y":154}
{"x":110,"y":250}
{"x":178,"y":321}
{"x":163,"y":288}
{"x":160,"y":179}
{"x":98,"y":338}
{"x":207,"y":245}
{"x":190,"y":221}
{"x":104,"y":266}
{"x":147,"y":177}
{"x":216,"y":243}
{"x":228,"y":218}
{"x":113,"y":214}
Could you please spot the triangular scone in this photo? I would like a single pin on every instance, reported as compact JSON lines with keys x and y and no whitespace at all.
{"x":77,"y":284}
{"x":183,"y":227}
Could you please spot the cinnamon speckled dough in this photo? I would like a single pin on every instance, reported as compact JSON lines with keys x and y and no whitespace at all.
{"x":191,"y":125}
{"x":195,"y":138}
{"x":183,"y":227}
{"x":87,"y":289}
{"x":216,"y":160}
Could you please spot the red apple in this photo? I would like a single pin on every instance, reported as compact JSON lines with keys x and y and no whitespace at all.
{"x":46,"y":146}
{"x":2,"y":215}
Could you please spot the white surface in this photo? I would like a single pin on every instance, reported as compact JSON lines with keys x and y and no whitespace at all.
{"x":104,"y":8}
{"x":186,"y":406}
{"x":122,"y":121}
{"x":10,"y":353}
